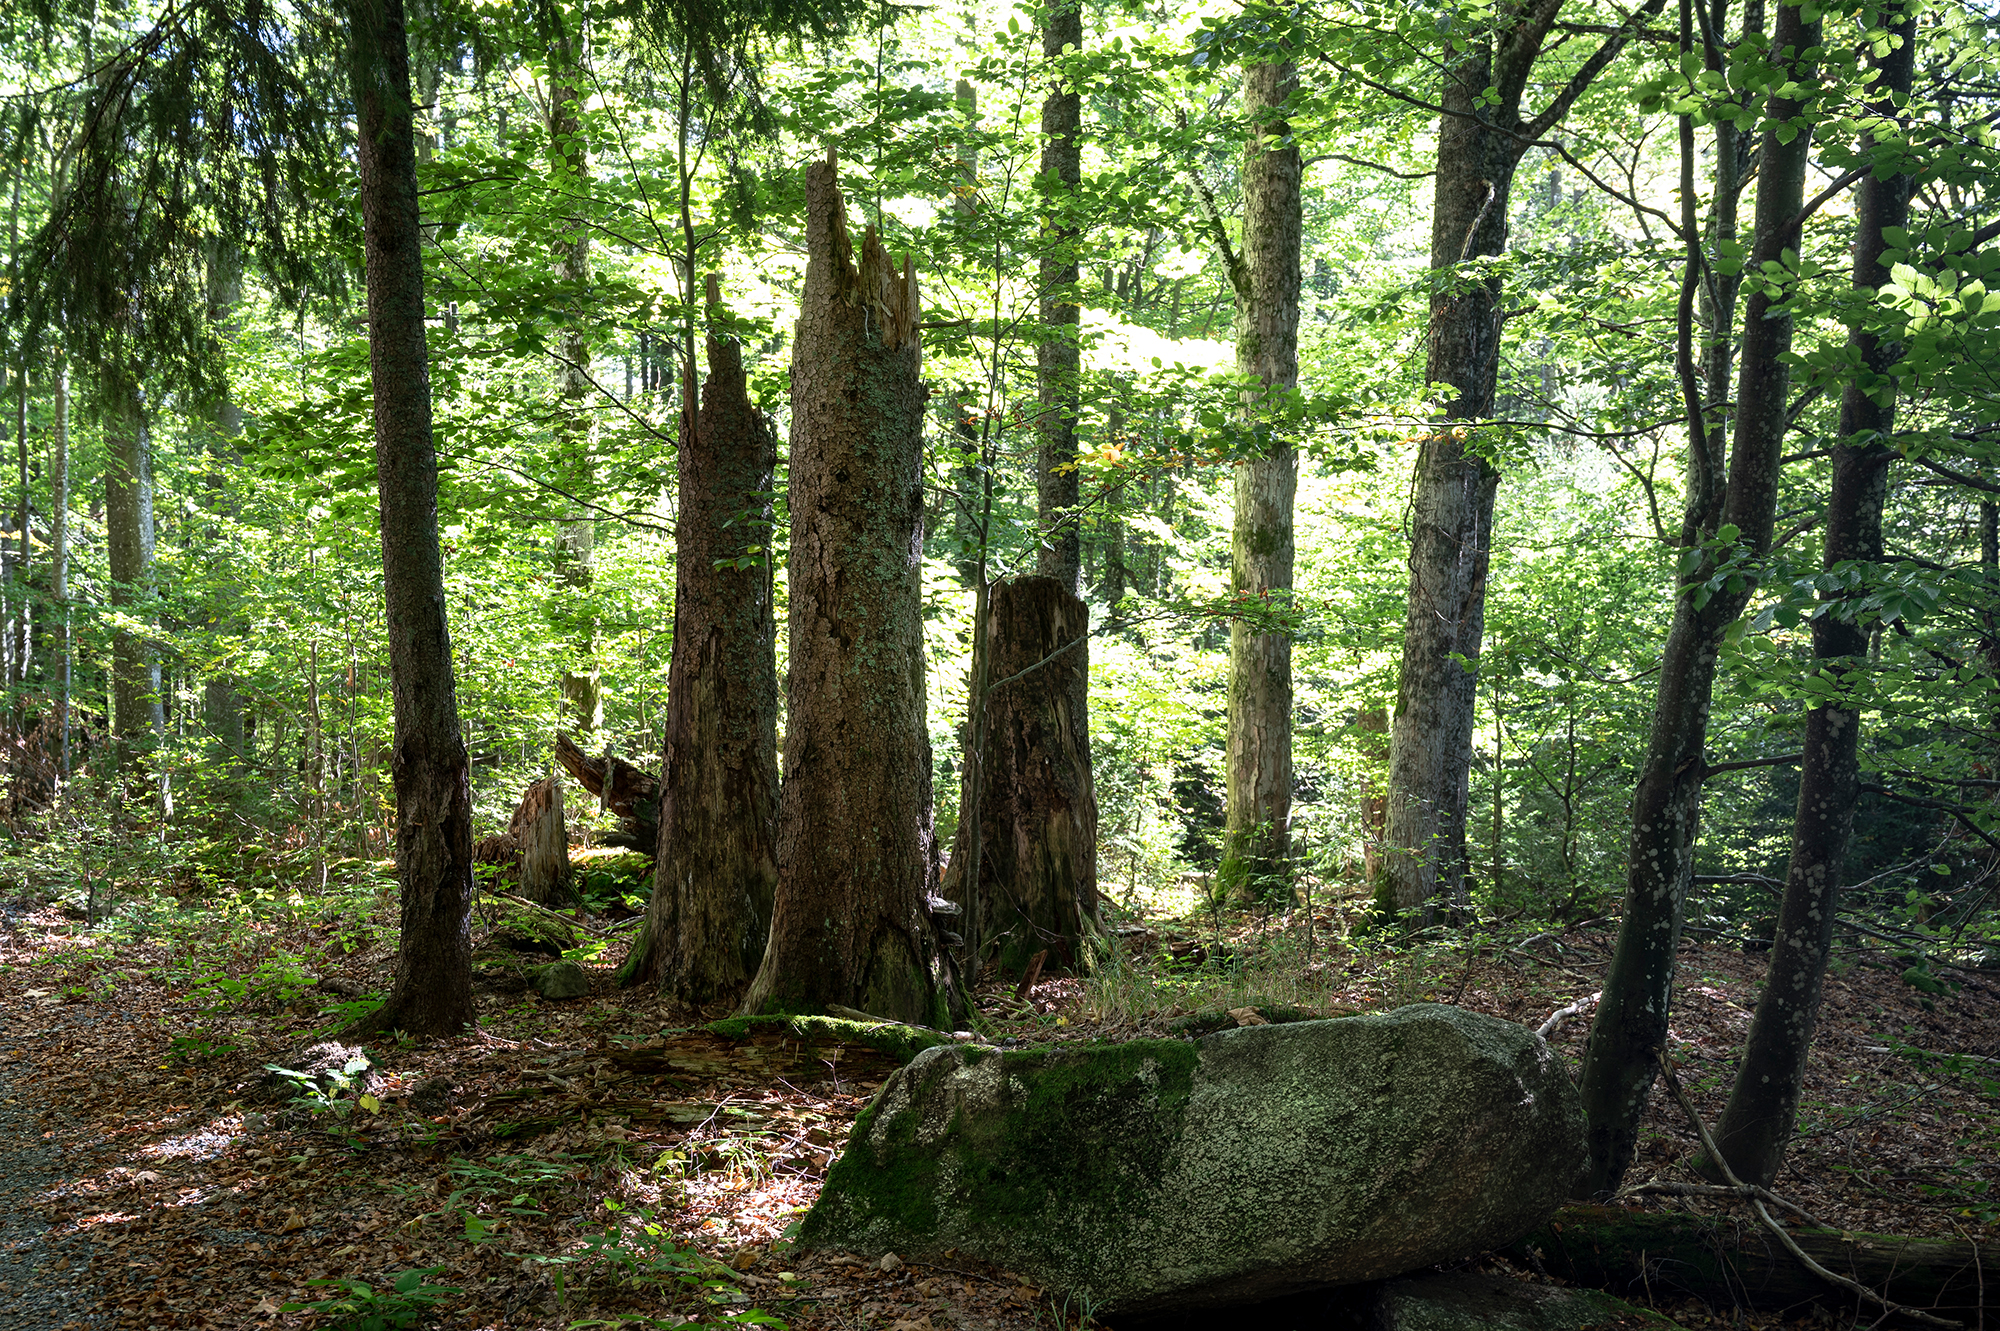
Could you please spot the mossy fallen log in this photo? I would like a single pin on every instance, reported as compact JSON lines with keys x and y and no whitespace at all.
{"x":1734,"y":1261}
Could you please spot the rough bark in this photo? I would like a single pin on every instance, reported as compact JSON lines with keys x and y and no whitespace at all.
{"x":1733,"y":1262}
{"x":1451,"y":508}
{"x":1764,"y":1100}
{"x":1631,"y":1020}
{"x":1258,"y":837}
{"x":221,"y":706}
{"x":432,"y":994}
{"x":633,"y":795}
{"x":59,"y":561}
{"x":137,"y":717}
{"x":717,"y":870}
{"x":1058,"y":358}
{"x":1037,"y":822}
{"x":856,"y":857}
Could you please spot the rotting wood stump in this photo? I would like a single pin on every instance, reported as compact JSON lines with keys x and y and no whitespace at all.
{"x":532,"y":855}
{"x":1037,"y":806}
{"x":1733,"y":1261}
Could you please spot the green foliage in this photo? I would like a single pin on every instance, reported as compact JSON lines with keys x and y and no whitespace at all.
{"x":409,"y":1300}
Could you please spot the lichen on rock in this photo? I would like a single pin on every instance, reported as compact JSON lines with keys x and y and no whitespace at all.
{"x":1255,"y":1162}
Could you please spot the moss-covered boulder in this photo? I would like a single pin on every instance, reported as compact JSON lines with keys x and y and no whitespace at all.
{"x":1162,"y":1175}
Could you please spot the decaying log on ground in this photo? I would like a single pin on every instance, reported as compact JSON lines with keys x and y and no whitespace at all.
{"x":634,"y":796}
{"x":533,"y":853}
{"x":1733,"y":1261}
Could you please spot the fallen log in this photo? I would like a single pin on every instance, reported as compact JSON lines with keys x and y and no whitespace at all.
{"x":1733,"y":1261}
{"x":633,"y":795}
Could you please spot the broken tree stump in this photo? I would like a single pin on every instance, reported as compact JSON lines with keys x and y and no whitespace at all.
{"x":533,"y":853}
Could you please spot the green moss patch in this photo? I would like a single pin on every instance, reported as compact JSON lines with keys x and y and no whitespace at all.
{"x":1210,"y":1020}
{"x":897,"y":1041}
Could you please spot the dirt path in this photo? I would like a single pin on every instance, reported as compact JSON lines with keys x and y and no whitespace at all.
{"x":45,"y":1279}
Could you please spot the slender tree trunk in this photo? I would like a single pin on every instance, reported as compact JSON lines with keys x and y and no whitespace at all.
{"x":1257,"y":857}
{"x":1451,"y":512}
{"x":1058,"y":358}
{"x":138,"y":719}
{"x":1036,"y":809}
{"x":222,"y":708}
{"x":1631,"y":1022}
{"x":433,"y":983}
{"x":576,"y":536}
{"x":856,"y":859}
{"x":59,"y":556}
{"x":1451,"y":508}
{"x":717,"y":871}
{"x":1764,"y":1101}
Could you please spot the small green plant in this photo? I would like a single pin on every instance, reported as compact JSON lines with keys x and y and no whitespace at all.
{"x":408,"y":1301}
{"x":334,"y":1093}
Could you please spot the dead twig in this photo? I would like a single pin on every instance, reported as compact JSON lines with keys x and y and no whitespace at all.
{"x":1757,"y":1205}
{"x":1667,"y":1188}
{"x":1548,"y":1029}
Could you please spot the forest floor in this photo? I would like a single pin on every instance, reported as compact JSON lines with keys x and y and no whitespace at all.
{"x":597,"y":1162}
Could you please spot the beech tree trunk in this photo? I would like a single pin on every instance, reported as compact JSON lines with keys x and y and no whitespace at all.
{"x":1058,"y":358}
{"x":138,"y":719}
{"x":1764,"y":1100}
{"x":1631,"y":1021}
{"x":717,"y":871}
{"x":1257,"y":851}
{"x":856,"y":858}
{"x":432,"y":994}
{"x":1451,"y":507}
{"x":221,"y":706}
{"x":1037,"y":819}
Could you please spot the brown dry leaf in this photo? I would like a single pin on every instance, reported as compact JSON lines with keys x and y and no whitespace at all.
{"x":1248,"y":1016}
{"x":293,"y":1223}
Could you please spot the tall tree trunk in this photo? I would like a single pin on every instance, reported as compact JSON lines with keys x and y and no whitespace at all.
{"x":856,"y":858}
{"x":1451,"y":507}
{"x":222,"y":708}
{"x":1764,"y":1101}
{"x":59,"y":558}
{"x":1058,"y":358}
{"x":717,"y":871}
{"x":576,"y":536}
{"x":1631,"y":1022}
{"x":1451,"y":511}
{"x":1037,"y":809}
{"x":138,"y":720}
{"x":1258,"y":841}
{"x":433,"y":984}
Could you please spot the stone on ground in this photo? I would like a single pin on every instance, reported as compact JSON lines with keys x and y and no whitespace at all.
{"x":1161,"y":1175}
{"x":559,"y":979}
